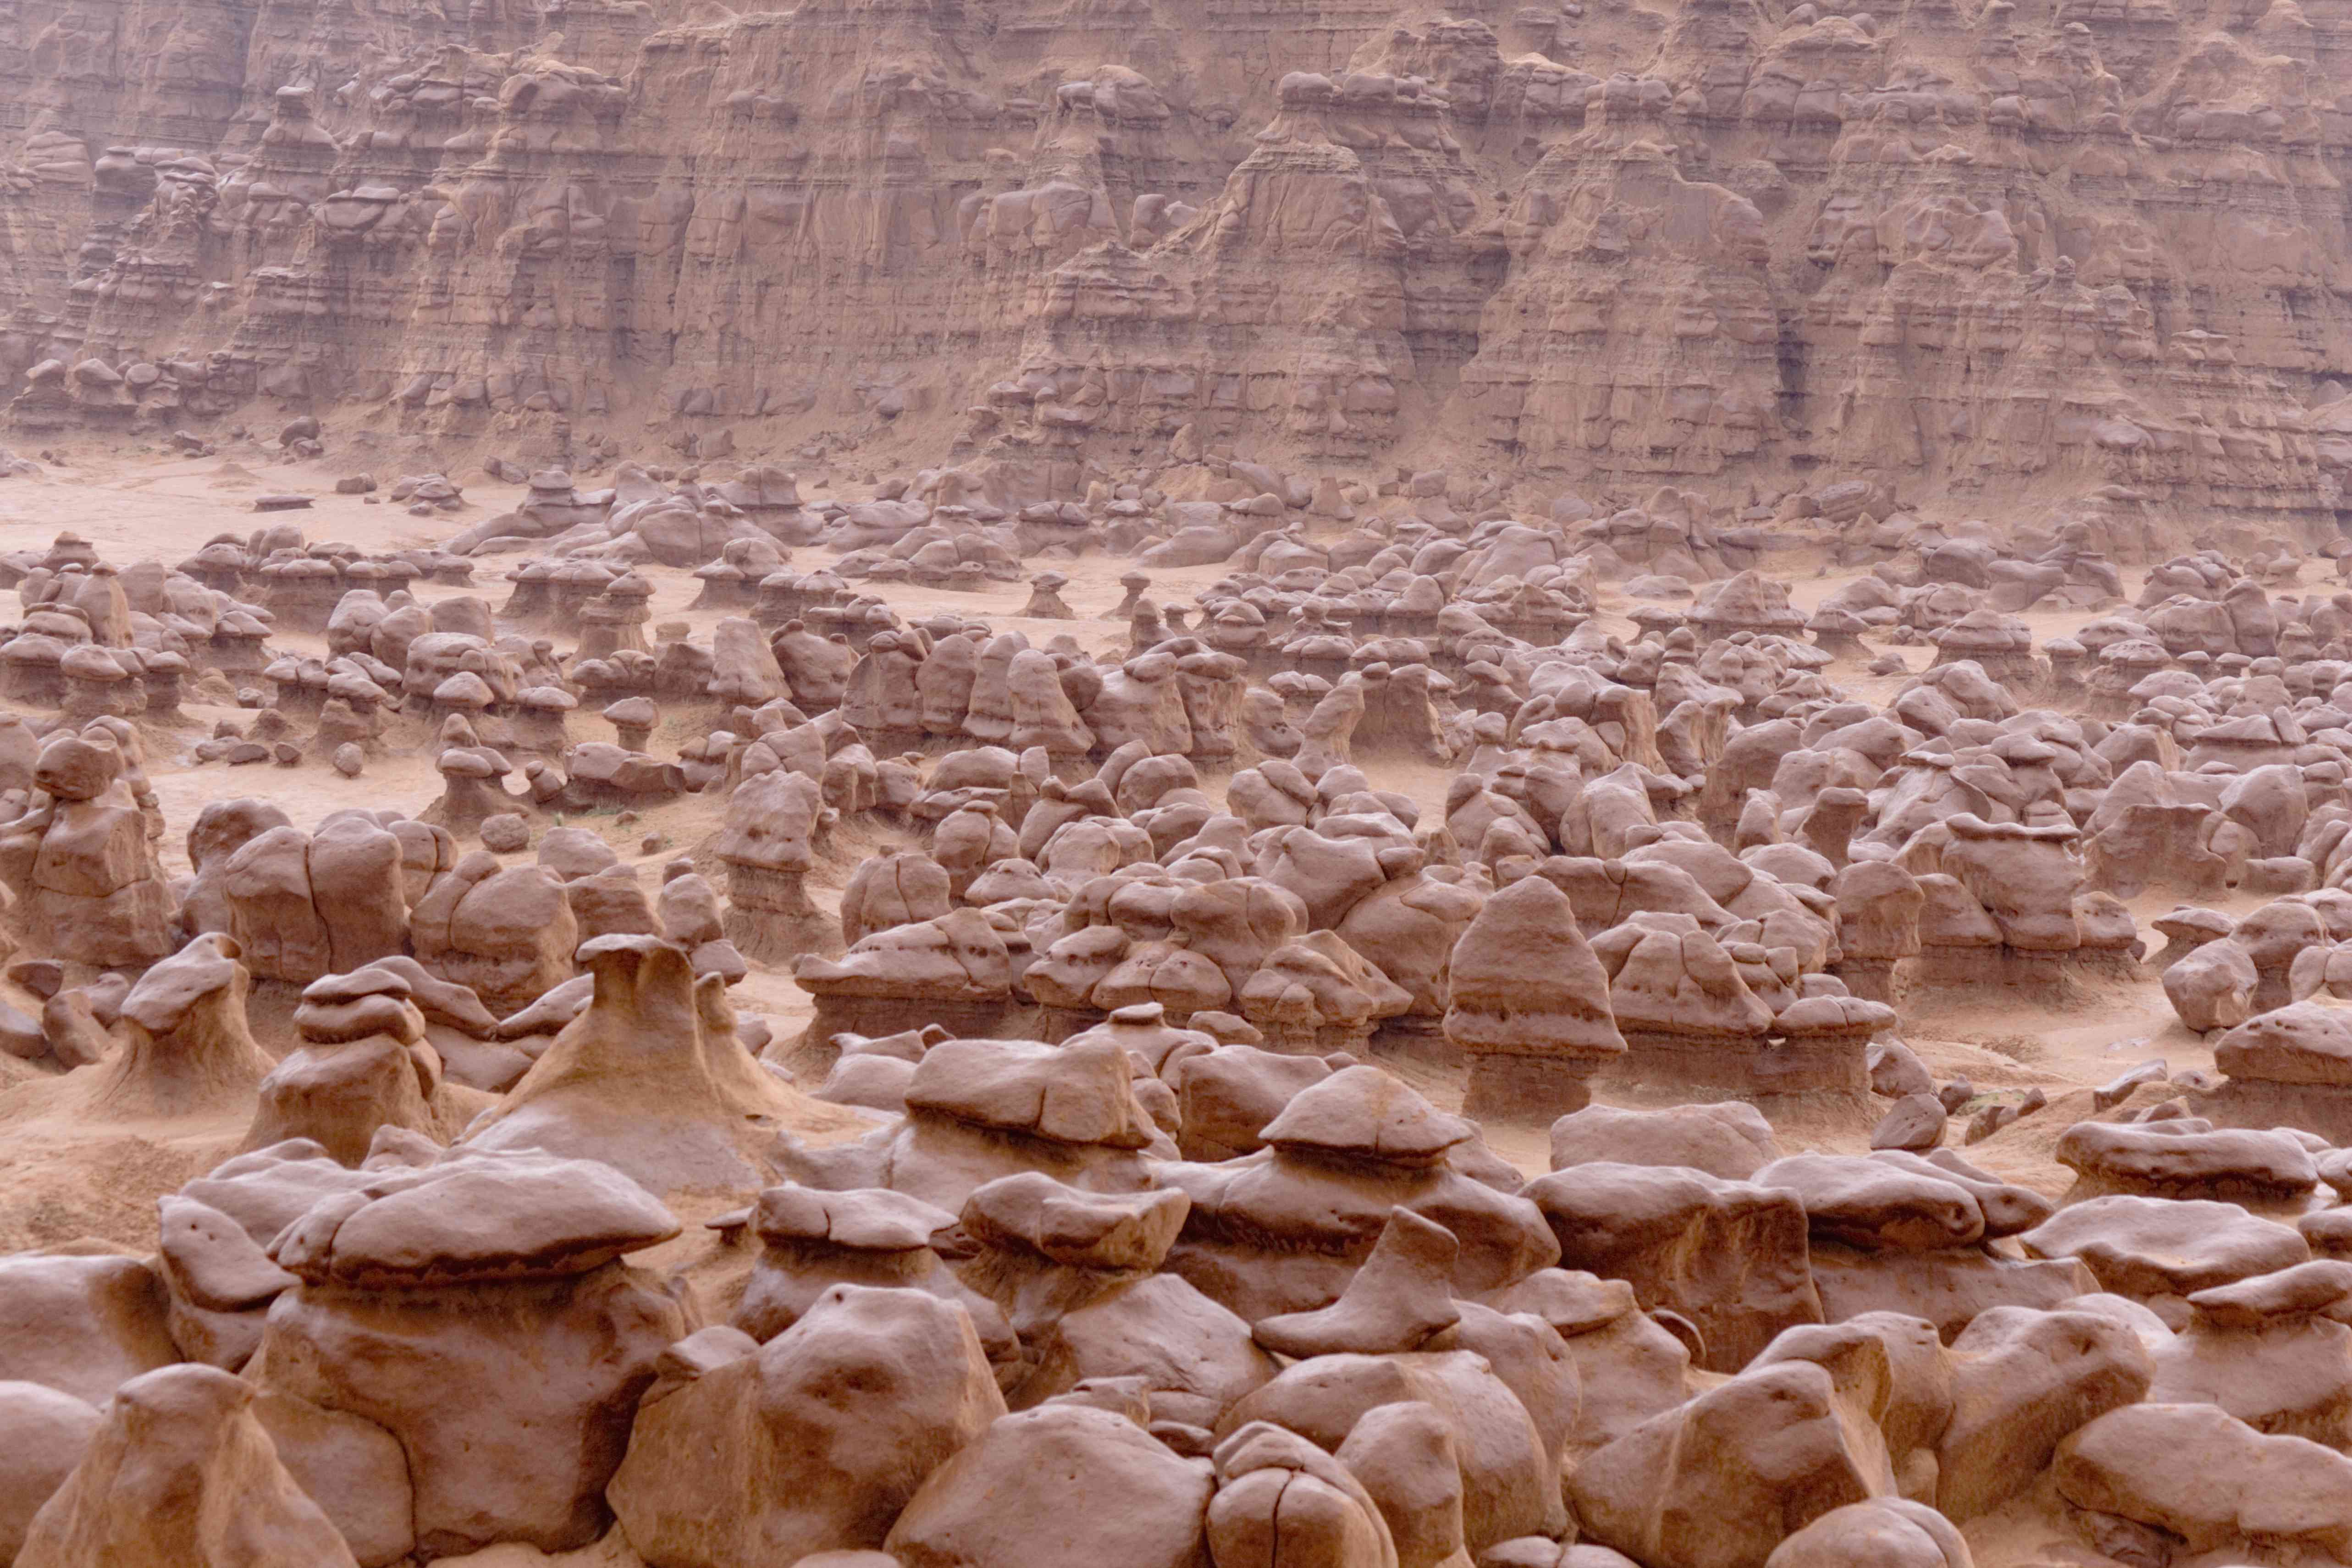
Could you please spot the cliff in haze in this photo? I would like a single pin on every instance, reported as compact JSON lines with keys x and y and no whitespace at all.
{"x":2007,"y":251}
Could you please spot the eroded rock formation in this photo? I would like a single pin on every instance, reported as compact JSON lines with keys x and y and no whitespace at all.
{"x":1993,"y":251}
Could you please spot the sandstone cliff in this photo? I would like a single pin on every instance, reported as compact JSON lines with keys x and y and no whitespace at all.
{"x":2007,"y":251}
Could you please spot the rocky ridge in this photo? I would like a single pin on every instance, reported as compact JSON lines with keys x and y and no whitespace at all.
{"x":2022,"y":253}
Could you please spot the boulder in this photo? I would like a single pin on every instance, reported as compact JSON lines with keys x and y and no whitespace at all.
{"x":815,"y":1441}
{"x":1730,"y":1257}
{"x":1722,"y":1481}
{"x":1885,"y":1533}
{"x":1724,"y":1139}
{"x":2208,"y":1479}
{"x":2159,"y":1251}
{"x":1509,"y":1480}
{"x":1029,"y":1494}
{"x":2022,"y":1380}
{"x":48,"y":1433}
{"x":182,"y":1474}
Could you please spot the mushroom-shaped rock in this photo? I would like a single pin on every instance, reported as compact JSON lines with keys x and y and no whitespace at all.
{"x":1529,"y":1005}
{"x":650,"y":1080}
{"x":1284,"y":1229}
{"x":365,"y":1064}
{"x":1318,"y":993}
{"x":1076,"y":1273}
{"x":502,"y":1274}
{"x":979,"y":1108}
{"x":480,"y":1219}
{"x":1874,"y":1204}
{"x":768,"y":845}
{"x":956,"y":969}
{"x":812,"y":1241}
{"x":89,"y":887}
{"x":2154,"y":1160}
{"x":188,"y":1050}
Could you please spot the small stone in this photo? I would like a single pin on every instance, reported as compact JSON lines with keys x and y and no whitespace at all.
{"x":1955,"y":1094}
{"x":355,"y":484}
{"x":1896,"y":1071}
{"x":1990,"y":1120}
{"x":2117,"y":1090}
{"x":280,"y":503}
{"x":245,"y":752}
{"x":505,"y":833}
{"x":652,"y":844}
{"x":349,"y":758}
{"x":1915,"y":1125}
{"x":44,"y":977}
{"x":285,"y":753}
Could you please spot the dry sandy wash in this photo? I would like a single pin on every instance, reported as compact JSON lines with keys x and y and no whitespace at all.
{"x":700,"y":1018}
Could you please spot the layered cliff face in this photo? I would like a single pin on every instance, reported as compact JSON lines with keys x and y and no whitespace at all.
{"x":2007,"y":251}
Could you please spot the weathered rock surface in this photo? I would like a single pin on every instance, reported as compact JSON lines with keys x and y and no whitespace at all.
{"x":1088,"y":243}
